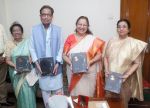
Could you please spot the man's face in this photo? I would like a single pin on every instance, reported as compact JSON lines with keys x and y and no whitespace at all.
{"x":46,"y":16}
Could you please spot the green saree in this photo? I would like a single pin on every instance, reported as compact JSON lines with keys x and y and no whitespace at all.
{"x":25,"y":94}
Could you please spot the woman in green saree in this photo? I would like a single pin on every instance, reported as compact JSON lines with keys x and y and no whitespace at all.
{"x":18,"y":46}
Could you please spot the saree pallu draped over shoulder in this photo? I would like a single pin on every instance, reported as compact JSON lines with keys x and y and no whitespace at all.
{"x":90,"y":83}
{"x":25,"y":94}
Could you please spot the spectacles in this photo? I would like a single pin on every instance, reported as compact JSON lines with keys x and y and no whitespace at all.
{"x":119,"y":27}
{"x":44,"y":15}
{"x":82,"y":25}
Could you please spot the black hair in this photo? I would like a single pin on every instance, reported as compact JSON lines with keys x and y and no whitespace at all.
{"x":126,"y":21}
{"x":48,"y":7}
{"x":15,"y":24}
{"x":87,"y":20}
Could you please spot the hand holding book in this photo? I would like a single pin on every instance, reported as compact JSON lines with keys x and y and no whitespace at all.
{"x":38,"y":67}
{"x":113,"y":82}
{"x":47,"y":67}
{"x":125,"y":76}
{"x":55,"y":69}
{"x":23,"y":64}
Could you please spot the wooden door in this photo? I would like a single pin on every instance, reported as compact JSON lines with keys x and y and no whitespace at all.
{"x":138,"y":13}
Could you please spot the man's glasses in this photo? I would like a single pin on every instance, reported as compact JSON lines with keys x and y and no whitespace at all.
{"x":45,"y":15}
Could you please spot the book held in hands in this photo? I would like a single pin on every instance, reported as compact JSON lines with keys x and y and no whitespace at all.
{"x":47,"y":66}
{"x":79,"y":62}
{"x":113,"y":82}
{"x":23,"y":64}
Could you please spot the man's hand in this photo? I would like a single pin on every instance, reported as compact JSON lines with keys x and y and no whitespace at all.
{"x":55,"y":68}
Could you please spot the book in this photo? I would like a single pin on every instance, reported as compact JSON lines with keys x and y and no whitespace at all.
{"x":83,"y":101}
{"x":98,"y":104}
{"x":47,"y":66}
{"x":113,"y":82}
{"x":32,"y":77}
{"x":23,"y":64}
{"x":79,"y":62}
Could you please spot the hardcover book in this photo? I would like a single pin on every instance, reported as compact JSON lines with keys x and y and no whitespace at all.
{"x":113,"y":82}
{"x":47,"y":66}
{"x":79,"y":62}
{"x":23,"y":64}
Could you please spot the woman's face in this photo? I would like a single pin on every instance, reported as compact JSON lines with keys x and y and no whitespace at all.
{"x":122,"y":29}
{"x":81,"y":27}
{"x":17,"y":33}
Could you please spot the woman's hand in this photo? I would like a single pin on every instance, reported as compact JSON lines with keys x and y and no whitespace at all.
{"x":2,"y":60}
{"x":15,"y":67}
{"x":70,"y":65}
{"x":67,"y":60}
{"x":89,"y":64}
{"x":125,"y":76}
{"x":30,"y":60}
{"x":107,"y":73}
{"x":38,"y":67}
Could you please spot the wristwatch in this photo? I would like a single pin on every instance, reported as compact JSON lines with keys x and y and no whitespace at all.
{"x":57,"y":62}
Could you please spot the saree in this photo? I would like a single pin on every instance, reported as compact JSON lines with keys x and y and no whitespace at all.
{"x":90,"y":83}
{"x":120,"y":55}
{"x":24,"y":93}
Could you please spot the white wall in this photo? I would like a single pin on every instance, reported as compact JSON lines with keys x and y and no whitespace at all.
{"x":102,"y":14}
{"x":2,"y":13}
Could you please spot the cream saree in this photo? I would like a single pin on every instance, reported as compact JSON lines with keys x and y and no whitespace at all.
{"x":120,"y":55}
{"x":84,"y":84}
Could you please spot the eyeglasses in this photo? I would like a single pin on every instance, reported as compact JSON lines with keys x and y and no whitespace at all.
{"x":123,"y":27}
{"x":44,"y":15}
{"x":82,"y":25}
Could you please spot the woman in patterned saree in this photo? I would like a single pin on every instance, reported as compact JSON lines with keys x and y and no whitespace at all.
{"x":124,"y":55}
{"x":18,"y":46}
{"x":91,"y":82}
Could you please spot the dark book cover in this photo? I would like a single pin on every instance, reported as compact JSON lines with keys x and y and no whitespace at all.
{"x":47,"y":66}
{"x":23,"y":64}
{"x":113,"y":82}
{"x":83,"y":101}
{"x":79,"y":62}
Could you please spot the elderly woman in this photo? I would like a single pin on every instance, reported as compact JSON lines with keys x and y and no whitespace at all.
{"x":124,"y":55}
{"x":18,"y":46}
{"x":83,"y":41}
